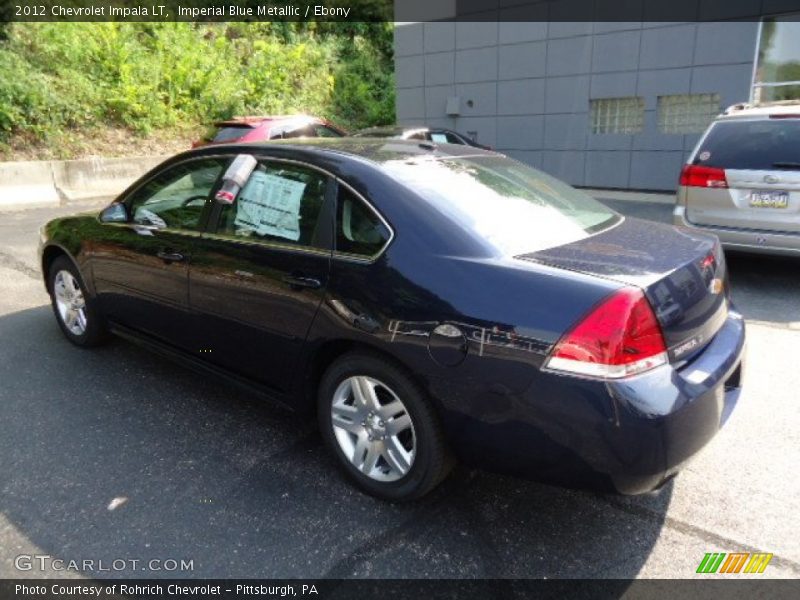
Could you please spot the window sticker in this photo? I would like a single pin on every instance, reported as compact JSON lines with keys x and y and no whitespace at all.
{"x":705,"y":155}
{"x":270,"y":205}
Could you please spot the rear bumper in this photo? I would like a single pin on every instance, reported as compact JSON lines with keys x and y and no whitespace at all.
{"x":627,"y":436}
{"x":671,"y":414}
{"x":756,"y":241}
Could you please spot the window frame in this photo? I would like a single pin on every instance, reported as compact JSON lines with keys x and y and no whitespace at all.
{"x":326,"y":213}
{"x":756,"y":86}
{"x":128,"y":196}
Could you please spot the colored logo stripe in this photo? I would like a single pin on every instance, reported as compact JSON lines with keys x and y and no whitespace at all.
{"x":710,"y":562}
{"x":758,"y":562}
{"x":713,"y":562}
{"x":734,"y":562}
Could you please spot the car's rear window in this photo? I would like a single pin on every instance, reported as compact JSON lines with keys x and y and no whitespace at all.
{"x":516,"y":208}
{"x":763,"y":144}
{"x":230,"y":132}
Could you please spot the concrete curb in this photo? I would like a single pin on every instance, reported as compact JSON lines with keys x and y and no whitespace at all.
{"x":654,"y":197}
{"x":31,"y":184}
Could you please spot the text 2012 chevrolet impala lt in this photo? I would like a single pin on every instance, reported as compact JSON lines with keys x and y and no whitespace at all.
{"x":428,"y":303}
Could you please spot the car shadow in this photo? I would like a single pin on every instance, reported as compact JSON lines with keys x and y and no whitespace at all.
{"x":207,"y":474}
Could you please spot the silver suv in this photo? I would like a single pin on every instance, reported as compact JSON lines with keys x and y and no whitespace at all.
{"x":742,"y":181}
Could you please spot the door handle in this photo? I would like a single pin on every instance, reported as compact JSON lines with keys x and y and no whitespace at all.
{"x":298,"y":281}
{"x":170,"y":257}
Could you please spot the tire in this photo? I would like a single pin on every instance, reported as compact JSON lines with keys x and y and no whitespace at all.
{"x":390,"y":445}
{"x":75,"y":310}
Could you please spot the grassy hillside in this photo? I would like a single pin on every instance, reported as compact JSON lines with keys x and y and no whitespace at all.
{"x":66,"y":89}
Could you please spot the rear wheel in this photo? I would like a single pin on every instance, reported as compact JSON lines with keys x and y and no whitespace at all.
{"x":384,"y":433}
{"x":76,"y":312}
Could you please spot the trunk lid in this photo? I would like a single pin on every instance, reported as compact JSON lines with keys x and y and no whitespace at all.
{"x":682,"y":273}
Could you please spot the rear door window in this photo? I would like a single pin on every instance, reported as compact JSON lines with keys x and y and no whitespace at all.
{"x":279,"y":203}
{"x":764,"y":144}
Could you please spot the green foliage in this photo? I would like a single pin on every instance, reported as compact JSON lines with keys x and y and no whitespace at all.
{"x":57,"y":77}
{"x":364,"y":81}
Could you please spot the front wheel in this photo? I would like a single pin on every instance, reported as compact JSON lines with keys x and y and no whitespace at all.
{"x":75,"y":310}
{"x":385,"y":435}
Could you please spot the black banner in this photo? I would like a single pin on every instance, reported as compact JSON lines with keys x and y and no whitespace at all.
{"x":393,"y":10}
{"x":745,"y":587}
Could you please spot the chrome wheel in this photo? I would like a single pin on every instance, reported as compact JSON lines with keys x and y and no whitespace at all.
{"x":70,"y":302}
{"x":373,"y":428}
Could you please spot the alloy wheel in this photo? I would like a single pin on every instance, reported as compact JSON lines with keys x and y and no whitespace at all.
{"x":70,"y":302}
{"x":373,"y":428}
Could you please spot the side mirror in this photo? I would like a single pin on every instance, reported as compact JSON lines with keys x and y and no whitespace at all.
{"x":115,"y":213}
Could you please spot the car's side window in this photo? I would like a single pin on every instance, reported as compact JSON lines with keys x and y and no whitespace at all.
{"x":175,"y":198}
{"x":359,"y":230}
{"x":440,"y":138}
{"x":453,"y":139}
{"x":310,"y":131}
{"x":304,"y":131}
{"x":281,"y":203}
{"x":323,"y":131}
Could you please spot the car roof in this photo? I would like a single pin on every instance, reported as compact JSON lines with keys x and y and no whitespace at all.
{"x":784,"y":109}
{"x":254,"y":120}
{"x":395,"y":130}
{"x":377,"y":150}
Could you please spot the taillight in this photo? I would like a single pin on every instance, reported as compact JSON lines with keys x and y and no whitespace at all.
{"x":618,"y":338}
{"x":700,"y":176}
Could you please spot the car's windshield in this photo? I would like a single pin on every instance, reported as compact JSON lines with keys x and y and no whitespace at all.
{"x":516,"y":208}
{"x":762,"y":144}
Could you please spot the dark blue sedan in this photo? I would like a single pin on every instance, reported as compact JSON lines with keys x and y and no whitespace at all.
{"x":428,"y":303}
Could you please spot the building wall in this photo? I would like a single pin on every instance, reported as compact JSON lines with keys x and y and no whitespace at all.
{"x":530,"y":85}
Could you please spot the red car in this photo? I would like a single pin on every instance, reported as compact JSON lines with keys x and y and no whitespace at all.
{"x":259,"y":129}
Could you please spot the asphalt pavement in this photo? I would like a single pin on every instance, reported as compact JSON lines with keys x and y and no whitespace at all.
{"x":198,"y":472}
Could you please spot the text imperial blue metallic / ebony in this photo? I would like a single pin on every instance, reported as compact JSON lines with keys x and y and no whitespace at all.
{"x":428,"y":303}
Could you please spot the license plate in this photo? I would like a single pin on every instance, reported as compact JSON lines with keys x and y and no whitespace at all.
{"x":769,"y":199}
